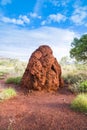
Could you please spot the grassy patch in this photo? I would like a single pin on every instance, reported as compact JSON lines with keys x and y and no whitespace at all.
{"x":12,"y":67}
{"x":15,"y":80}
{"x":2,"y":74}
{"x":80,"y":103}
{"x":7,"y":94}
{"x":83,"y":86}
{"x":75,"y":75}
{"x":79,"y":87}
{"x":73,"y":78}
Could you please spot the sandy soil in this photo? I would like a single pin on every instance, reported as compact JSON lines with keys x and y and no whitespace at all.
{"x":40,"y":111}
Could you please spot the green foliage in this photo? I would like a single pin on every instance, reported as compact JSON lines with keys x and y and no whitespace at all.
{"x":83,"y":86}
{"x":80,"y":103}
{"x":2,"y":73}
{"x":74,"y":75}
{"x":78,"y":87}
{"x":15,"y":80}
{"x":79,"y":48}
{"x":7,"y":94}
{"x":74,"y":78}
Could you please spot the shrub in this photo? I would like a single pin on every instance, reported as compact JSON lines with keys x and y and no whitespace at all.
{"x":83,"y":86}
{"x":74,"y":87}
{"x":80,"y":103}
{"x":7,"y":94}
{"x":78,"y":87}
{"x":2,"y":73}
{"x":15,"y":80}
{"x":73,"y":78}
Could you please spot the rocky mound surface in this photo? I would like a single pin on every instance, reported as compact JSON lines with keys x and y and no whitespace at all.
{"x":43,"y":71}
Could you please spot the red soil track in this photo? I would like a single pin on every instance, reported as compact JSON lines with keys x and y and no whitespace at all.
{"x":41,"y":111}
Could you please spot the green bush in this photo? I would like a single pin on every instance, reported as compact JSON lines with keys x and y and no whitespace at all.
{"x":80,"y":103}
{"x":15,"y":80}
{"x":7,"y":94}
{"x":78,"y":87}
{"x":2,"y":73}
{"x":76,"y":82}
{"x":73,"y":78}
{"x":74,"y":87}
{"x":70,"y":79}
{"x":83,"y":86}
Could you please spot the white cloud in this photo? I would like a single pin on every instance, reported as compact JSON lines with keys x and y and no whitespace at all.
{"x":79,"y":15}
{"x":59,"y":3}
{"x":11,"y":20}
{"x":57,"y":17}
{"x":38,"y":6}
{"x":35,"y":15}
{"x":20,"y":21}
{"x":4,"y":2}
{"x":54,"y":2}
{"x":24,"y":18}
{"x":25,"y":42}
{"x":54,"y":18}
{"x":43,"y":22}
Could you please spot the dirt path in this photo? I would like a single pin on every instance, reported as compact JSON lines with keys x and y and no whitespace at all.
{"x":41,"y":111}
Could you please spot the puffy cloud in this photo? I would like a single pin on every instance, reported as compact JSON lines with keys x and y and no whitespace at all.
{"x":13,"y":20}
{"x":54,"y":2}
{"x":79,"y":15}
{"x":59,"y":3}
{"x":35,"y":15}
{"x":23,"y":19}
{"x":43,"y":22}
{"x":57,"y":17}
{"x":54,"y":18}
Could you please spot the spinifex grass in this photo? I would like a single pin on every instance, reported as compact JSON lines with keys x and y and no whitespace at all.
{"x":14,"y":80}
{"x":7,"y":94}
{"x":80,"y":103}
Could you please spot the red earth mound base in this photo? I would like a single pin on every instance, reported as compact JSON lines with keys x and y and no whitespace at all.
{"x":43,"y":71}
{"x":41,"y":111}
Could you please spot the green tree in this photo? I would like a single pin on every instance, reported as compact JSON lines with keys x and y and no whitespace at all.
{"x":79,"y":48}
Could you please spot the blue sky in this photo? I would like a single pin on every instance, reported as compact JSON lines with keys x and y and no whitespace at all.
{"x":25,"y":25}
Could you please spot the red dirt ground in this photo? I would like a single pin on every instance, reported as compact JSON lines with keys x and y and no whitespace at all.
{"x":40,"y":111}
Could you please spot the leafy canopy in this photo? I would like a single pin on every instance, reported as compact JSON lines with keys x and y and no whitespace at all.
{"x":79,"y":48}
